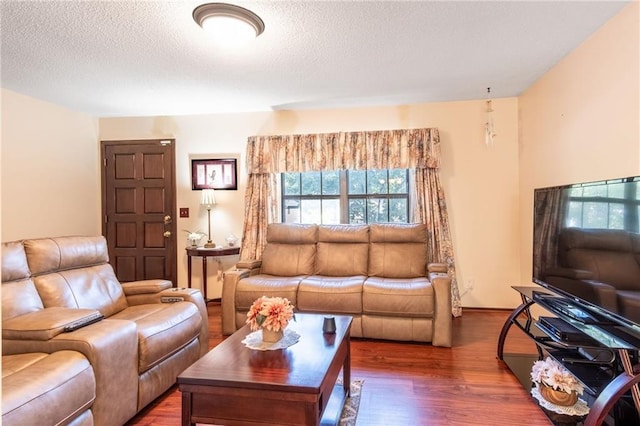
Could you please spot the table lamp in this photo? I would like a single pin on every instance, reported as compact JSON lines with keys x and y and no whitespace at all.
{"x":208,"y":199}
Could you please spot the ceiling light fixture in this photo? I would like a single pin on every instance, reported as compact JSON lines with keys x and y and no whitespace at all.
{"x":228,"y":22}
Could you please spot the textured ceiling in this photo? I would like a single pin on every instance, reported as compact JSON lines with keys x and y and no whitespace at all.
{"x":131,"y":58}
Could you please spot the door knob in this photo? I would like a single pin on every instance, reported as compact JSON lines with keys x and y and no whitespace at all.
{"x":167,"y":234}
{"x":167,"y":219}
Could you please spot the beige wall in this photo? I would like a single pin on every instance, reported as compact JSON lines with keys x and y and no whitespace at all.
{"x":581,"y":120}
{"x":50,"y":174}
{"x":481,"y":182}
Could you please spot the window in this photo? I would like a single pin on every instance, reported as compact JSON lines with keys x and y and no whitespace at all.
{"x":611,"y":206}
{"x":351,"y":196}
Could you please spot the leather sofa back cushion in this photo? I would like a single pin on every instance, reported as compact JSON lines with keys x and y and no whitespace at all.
{"x":53,"y":254}
{"x":343,"y":250}
{"x":93,"y":287}
{"x":290,"y":249}
{"x":288,"y":260}
{"x":398,"y":250}
{"x":292,"y":233}
{"x":19,"y":298}
{"x":14,"y":262}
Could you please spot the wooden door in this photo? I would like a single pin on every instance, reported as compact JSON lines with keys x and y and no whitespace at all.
{"x":138,"y":206}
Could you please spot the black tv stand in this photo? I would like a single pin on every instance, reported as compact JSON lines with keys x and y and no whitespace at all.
{"x":606,"y":371}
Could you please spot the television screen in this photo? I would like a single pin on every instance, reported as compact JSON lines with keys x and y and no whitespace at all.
{"x":586,"y":246}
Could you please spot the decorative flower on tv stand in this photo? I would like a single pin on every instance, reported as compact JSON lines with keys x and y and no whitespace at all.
{"x":272,"y":313}
{"x":552,"y":374}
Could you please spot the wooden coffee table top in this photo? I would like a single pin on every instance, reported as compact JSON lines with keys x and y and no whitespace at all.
{"x":299,"y":368}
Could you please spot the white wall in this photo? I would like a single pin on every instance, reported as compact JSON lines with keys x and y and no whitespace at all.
{"x":481,"y":183}
{"x":581,"y":121}
{"x":50,"y":174}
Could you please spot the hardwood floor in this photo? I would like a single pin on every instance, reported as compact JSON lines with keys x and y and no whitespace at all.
{"x":418,"y":384}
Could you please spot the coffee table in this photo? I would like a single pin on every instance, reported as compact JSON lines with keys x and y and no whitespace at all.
{"x":235,"y":385}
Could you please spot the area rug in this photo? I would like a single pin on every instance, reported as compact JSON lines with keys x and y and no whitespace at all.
{"x":350,"y":410}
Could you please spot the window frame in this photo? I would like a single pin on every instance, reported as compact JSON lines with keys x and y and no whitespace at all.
{"x":344,"y":197}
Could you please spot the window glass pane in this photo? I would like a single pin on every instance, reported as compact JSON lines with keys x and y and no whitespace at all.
{"x":595,"y":215}
{"x":377,"y":210}
{"x":310,"y":211}
{"x":616,"y":216}
{"x":331,"y":183}
{"x":331,"y":211}
{"x":575,"y":192}
{"x":398,"y":210}
{"x":574,"y":214}
{"x":291,"y":211}
{"x":357,"y":211}
{"x":357,"y":182}
{"x":377,"y":182}
{"x":398,"y":181}
{"x":595,"y":191}
{"x":291,"y":183}
{"x":616,"y":190}
{"x":310,"y":184}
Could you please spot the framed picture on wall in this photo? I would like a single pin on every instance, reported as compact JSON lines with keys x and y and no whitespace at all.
{"x":219,"y":173}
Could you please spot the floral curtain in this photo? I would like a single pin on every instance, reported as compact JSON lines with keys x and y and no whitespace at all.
{"x":415,"y":149}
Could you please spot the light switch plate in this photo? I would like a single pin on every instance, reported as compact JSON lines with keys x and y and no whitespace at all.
{"x":184,"y":211}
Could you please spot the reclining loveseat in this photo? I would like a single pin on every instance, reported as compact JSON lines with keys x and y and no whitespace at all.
{"x":79,"y":347}
{"x":376,"y":273}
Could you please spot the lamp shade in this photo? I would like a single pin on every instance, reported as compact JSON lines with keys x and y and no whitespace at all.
{"x":207,"y":198}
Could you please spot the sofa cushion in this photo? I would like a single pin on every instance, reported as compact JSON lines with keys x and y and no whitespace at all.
{"x":14,"y":262}
{"x":163,"y":329}
{"x":342,"y":250}
{"x":53,"y":254}
{"x":340,"y":295}
{"x":92,"y":287}
{"x":19,"y":298}
{"x":251,"y":288}
{"x":39,"y":388}
{"x":409,"y":297}
{"x":290,"y":250}
{"x":398,"y":250}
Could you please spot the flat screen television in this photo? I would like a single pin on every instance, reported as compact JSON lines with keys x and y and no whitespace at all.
{"x":586,"y":248}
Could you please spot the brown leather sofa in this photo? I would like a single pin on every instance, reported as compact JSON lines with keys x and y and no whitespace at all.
{"x":601,"y":266}
{"x":376,"y":273}
{"x":103,"y":372}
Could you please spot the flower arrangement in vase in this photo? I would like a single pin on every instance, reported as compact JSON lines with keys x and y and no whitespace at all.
{"x":194,"y":237}
{"x":271,"y":315}
{"x":555,"y":383}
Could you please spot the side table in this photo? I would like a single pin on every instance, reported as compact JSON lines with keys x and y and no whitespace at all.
{"x":204,"y":253}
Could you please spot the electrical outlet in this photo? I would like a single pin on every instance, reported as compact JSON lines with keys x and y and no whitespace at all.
{"x":469,"y":283}
{"x":184,"y":211}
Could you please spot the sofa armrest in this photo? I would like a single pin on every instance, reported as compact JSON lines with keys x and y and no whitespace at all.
{"x":437,"y":267}
{"x":229,"y":283}
{"x":111,"y":346}
{"x":145,"y":287}
{"x":442,"y":322}
{"x":47,"y":323}
{"x":194,"y":296}
{"x":178,"y":294}
{"x":250,"y":264}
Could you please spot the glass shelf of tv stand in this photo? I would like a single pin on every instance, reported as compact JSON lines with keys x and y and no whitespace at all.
{"x":595,"y":377}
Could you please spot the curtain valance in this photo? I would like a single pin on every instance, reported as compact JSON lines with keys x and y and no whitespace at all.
{"x":385,"y":149}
